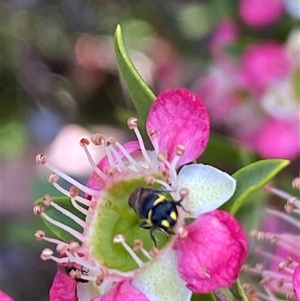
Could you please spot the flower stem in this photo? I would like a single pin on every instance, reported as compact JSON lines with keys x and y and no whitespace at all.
{"x":238,"y":292}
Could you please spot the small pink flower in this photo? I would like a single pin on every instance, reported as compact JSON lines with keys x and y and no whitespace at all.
{"x":264,"y":63}
{"x":278,"y":139}
{"x":260,"y":13}
{"x":107,"y":253}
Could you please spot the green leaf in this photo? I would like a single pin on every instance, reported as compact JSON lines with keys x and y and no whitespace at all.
{"x":250,"y":178}
{"x":141,"y":94}
{"x":55,"y":214}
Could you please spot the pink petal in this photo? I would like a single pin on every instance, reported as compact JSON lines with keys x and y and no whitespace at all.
{"x":179,"y":118}
{"x":63,"y":288}
{"x":5,"y":297}
{"x":254,"y":12}
{"x":212,"y":254}
{"x":122,"y":291}
{"x":296,"y":282}
{"x":278,"y":139}
{"x":94,"y":181}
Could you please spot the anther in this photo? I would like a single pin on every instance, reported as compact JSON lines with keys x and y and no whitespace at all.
{"x":53,"y":178}
{"x":47,"y":200}
{"x":182,"y":232}
{"x":74,"y":247}
{"x":152,"y":134}
{"x":62,"y":248}
{"x":46,"y":254}
{"x":132,"y":123}
{"x":138,"y":245}
{"x":180,"y":150}
{"x":38,"y":209}
{"x":118,"y":238}
{"x":184,"y":192}
{"x":154,"y":252}
{"x":74,"y":192}
{"x":162,"y":156}
{"x":288,"y":208}
{"x":111,"y":171}
{"x":39,"y":234}
{"x":41,"y":159}
{"x":111,"y":140}
{"x":150,"y":180}
{"x":97,"y":139}
{"x":84,"y":142}
{"x":75,"y":274}
{"x":296,"y":183}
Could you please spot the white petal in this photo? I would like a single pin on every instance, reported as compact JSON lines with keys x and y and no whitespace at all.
{"x":208,"y":187}
{"x":160,"y":280}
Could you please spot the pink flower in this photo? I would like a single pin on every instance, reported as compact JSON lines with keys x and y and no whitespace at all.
{"x":5,"y":297}
{"x":281,"y":277}
{"x":278,"y":139}
{"x":264,"y":63}
{"x":107,"y":254}
{"x":260,"y":13}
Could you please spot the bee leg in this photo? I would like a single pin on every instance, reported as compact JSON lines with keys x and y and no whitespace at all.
{"x":178,"y":203}
{"x":145,"y":225}
{"x":152,"y":229}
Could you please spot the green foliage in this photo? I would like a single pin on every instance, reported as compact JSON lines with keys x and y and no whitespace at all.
{"x":250,"y":178}
{"x":141,"y":94}
{"x":65,"y":203}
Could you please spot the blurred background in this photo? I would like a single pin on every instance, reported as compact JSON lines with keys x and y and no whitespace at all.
{"x":60,"y":82}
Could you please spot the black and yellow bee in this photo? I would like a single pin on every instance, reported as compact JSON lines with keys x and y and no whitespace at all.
{"x":156,"y":211}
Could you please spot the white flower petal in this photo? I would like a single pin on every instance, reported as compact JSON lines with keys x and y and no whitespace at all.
{"x":208,"y":187}
{"x":160,"y":281}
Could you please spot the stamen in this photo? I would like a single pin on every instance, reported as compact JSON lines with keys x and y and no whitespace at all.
{"x":120,"y":239}
{"x":179,"y":152}
{"x":68,"y":194}
{"x":129,"y":157}
{"x":42,"y":159}
{"x":84,"y":143}
{"x":40,"y":235}
{"x":285,"y":217}
{"x":139,"y":246}
{"x":79,"y":260}
{"x":68,"y":229}
{"x":48,"y":201}
{"x":153,"y":137}
{"x":132,"y":124}
{"x":79,"y":208}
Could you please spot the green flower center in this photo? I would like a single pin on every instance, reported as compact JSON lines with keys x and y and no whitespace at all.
{"x":114,"y":216}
